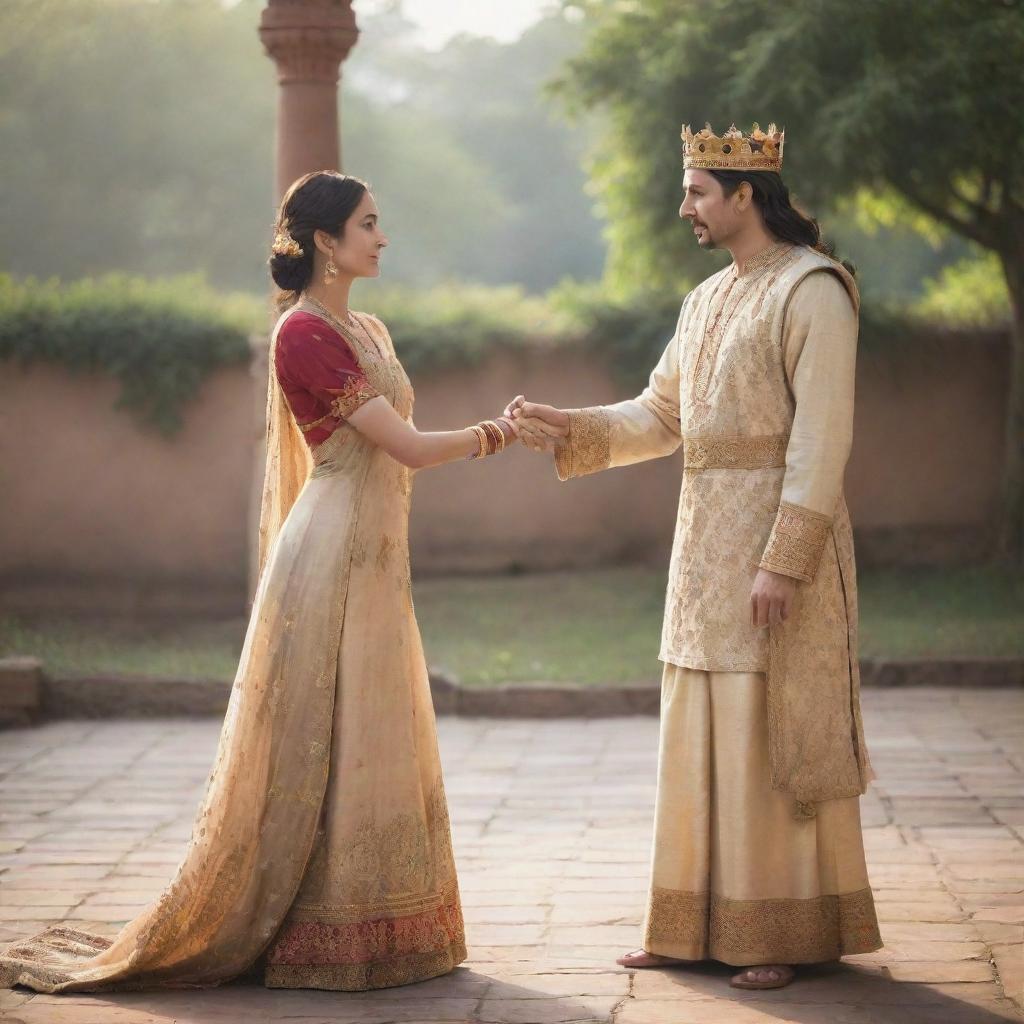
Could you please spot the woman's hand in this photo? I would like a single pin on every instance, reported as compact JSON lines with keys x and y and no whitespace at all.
{"x":508,"y":428}
{"x":771,"y":600}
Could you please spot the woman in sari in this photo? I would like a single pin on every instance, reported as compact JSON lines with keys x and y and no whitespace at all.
{"x":321,"y":855}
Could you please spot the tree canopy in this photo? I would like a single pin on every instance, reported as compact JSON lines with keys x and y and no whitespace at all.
{"x":922,"y":99}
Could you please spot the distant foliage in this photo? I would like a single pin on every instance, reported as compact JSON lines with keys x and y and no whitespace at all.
{"x":971,"y":293}
{"x":138,"y":135}
{"x":630,"y":334}
{"x":159,"y":338}
{"x":913,"y":97}
{"x":458,"y":325}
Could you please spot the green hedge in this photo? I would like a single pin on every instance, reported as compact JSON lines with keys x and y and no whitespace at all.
{"x":161,"y":338}
{"x":628,"y":334}
{"x":458,"y":325}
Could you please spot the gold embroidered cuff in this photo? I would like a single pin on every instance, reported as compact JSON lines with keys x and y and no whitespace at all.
{"x":353,"y":396}
{"x":587,"y":449}
{"x":797,"y":541}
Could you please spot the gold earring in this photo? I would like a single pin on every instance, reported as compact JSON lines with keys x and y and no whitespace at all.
{"x":330,"y":272}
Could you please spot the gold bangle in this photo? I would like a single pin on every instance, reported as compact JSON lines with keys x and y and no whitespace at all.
{"x":481,"y":440}
{"x":497,"y":437}
{"x":492,"y":441}
{"x":501,"y":434}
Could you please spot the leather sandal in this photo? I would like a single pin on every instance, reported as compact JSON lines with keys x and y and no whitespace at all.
{"x":640,"y":958}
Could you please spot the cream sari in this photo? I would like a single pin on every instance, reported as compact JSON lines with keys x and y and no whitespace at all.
{"x":322,"y":849}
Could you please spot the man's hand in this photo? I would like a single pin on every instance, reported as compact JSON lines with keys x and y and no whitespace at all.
{"x":771,"y":600}
{"x":540,"y":427}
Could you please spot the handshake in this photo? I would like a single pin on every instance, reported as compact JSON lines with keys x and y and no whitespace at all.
{"x":542,"y":428}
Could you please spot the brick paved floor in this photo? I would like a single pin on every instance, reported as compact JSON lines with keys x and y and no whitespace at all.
{"x":552,"y":830}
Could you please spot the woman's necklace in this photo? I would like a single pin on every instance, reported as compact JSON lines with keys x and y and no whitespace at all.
{"x":331,"y":316}
{"x":351,"y":321}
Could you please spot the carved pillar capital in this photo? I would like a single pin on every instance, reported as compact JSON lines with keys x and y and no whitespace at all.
{"x":308,"y":39}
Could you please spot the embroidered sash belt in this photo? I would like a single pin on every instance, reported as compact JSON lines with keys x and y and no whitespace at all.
{"x":767,"y":451}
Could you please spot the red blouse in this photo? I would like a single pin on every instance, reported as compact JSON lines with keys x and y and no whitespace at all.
{"x":319,"y":374}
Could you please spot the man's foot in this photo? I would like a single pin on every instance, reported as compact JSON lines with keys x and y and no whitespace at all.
{"x":641,"y":958}
{"x":767,"y":976}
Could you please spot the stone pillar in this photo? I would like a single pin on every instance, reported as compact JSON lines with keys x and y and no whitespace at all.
{"x":308,"y":40}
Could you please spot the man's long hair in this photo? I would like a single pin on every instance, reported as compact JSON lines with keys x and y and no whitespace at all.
{"x":782,"y":218}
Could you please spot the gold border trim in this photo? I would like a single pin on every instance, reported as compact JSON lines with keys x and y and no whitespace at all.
{"x":766,"y":451}
{"x":313,"y":424}
{"x":728,"y":164}
{"x":743,"y":933}
{"x":346,"y":913}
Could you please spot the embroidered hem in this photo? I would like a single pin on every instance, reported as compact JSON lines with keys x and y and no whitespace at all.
{"x":796,"y":542}
{"x":47,"y":960}
{"x":745,"y":933}
{"x":399,"y":970}
{"x":336,"y":950}
{"x":588,"y":446}
{"x":687,"y":657}
{"x":762,"y":452}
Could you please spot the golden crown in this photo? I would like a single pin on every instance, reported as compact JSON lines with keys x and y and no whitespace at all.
{"x":734,"y":151}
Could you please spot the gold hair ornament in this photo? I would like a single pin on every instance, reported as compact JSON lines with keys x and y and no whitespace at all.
{"x":285,"y":245}
{"x":734,"y":151}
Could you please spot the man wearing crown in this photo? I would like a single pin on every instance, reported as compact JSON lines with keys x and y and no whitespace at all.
{"x":758,"y":858}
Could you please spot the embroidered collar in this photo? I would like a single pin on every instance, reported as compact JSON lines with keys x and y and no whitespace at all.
{"x":770,"y":256}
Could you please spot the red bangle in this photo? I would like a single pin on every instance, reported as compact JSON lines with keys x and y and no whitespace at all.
{"x":505,"y":426}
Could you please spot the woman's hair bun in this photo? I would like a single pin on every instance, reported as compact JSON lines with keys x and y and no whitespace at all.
{"x":290,"y":273}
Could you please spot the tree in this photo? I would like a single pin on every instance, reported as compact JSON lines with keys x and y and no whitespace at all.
{"x":138,"y":135}
{"x":922,"y":97}
{"x":485,"y":99}
{"x":135,"y":136}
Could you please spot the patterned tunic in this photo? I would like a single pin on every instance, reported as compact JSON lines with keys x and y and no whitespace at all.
{"x":757,"y":386}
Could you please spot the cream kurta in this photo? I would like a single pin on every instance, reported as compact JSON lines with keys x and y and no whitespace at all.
{"x":757,"y":386}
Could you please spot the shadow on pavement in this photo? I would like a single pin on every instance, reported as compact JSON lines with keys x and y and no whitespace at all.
{"x":825,"y":994}
{"x":834,"y":993}
{"x":462,"y":997}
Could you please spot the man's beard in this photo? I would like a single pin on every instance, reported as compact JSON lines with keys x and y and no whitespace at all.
{"x":706,"y":240}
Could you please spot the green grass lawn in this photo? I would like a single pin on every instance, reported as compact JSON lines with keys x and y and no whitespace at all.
{"x":590,"y":627}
